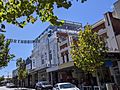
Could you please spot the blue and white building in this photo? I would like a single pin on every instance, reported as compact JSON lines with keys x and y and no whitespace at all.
{"x":45,"y":54}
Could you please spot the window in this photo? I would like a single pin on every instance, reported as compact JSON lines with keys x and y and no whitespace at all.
{"x":63,"y":58}
{"x":63,"y":46}
{"x":45,"y":56}
{"x":107,"y":20}
{"x":42,"y":59}
{"x":63,"y":38}
{"x":33,"y":63}
{"x":67,"y":57}
{"x":65,"y":86}
{"x":50,"y":53}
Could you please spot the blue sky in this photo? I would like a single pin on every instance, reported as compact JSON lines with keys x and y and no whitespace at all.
{"x":88,"y":12}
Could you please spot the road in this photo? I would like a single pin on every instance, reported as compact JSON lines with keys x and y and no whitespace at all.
{"x":4,"y":88}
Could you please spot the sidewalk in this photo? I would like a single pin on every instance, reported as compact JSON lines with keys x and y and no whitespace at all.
{"x":5,"y":88}
{"x":23,"y":89}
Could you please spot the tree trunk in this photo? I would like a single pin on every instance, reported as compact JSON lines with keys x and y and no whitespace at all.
{"x":90,"y":80}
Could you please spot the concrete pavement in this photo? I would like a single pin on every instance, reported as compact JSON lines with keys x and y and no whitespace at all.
{"x":4,"y":88}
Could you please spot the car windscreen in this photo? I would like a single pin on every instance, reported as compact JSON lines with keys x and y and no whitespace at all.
{"x":63,"y":86}
{"x":45,"y":83}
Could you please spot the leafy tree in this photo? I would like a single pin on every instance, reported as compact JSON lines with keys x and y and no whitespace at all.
{"x":5,"y":55}
{"x":88,"y":51}
{"x":30,"y":10}
{"x":21,"y":12}
{"x":22,"y":71}
{"x":1,"y":78}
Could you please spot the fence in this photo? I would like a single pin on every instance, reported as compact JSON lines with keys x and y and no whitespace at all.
{"x":90,"y":88}
{"x":109,"y":87}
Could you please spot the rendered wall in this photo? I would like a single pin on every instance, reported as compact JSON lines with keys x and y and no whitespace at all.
{"x":117,"y":8}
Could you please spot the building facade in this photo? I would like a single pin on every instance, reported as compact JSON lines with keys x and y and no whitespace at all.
{"x":46,"y":53}
{"x":51,"y":60}
{"x":109,"y":30}
{"x":117,"y":9}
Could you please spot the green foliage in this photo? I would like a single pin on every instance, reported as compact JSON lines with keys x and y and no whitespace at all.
{"x":22,"y":72}
{"x":2,"y":78}
{"x":5,"y":55}
{"x":31,"y":10}
{"x":21,"y":12}
{"x":88,"y":51}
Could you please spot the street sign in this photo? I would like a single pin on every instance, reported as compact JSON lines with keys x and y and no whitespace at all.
{"x":108,"y":63}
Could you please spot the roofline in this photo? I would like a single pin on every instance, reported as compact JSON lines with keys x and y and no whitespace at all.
{"x":98,"y":23}
{"x":66,"y":22}
{"x":116,"y":2}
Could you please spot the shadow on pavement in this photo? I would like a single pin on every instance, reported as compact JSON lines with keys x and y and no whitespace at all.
{"x":22,"y":89}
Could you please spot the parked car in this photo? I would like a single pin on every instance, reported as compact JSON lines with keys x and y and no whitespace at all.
{"x":10,"y":85}
{"x":65,"y":86}
{"x":43,"y":85}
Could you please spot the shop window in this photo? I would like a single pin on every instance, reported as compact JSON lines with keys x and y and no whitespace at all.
{"x":115,"y":63}
{"x":118,"y":79}
{"x":36,"y":77}
{"x":116,"y":71}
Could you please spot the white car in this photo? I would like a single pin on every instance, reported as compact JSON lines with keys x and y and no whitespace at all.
{"x":43,"y":85}
{"x":65,"y":86}
{"x":10,"y":85}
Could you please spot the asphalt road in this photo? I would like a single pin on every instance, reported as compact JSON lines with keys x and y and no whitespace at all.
{"x":4,"y":88}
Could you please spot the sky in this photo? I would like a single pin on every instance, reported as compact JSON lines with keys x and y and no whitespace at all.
{"x":88,"y":12}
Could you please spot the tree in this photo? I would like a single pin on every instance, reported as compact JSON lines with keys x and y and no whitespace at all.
{"x":5,"y":55}
{"x":21,"y":12}
{"x":88,"y":51}
{"x":1,"y":78}
{"x":31,"y":10}
{"x":22,"y":71}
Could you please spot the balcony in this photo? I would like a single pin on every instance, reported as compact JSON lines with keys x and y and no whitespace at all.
{"x":102,"y":31}
{"x":53,"y":68}
{"x":63,"y":42}
{"x":45,"y":66}
{"x":67,"y":64}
